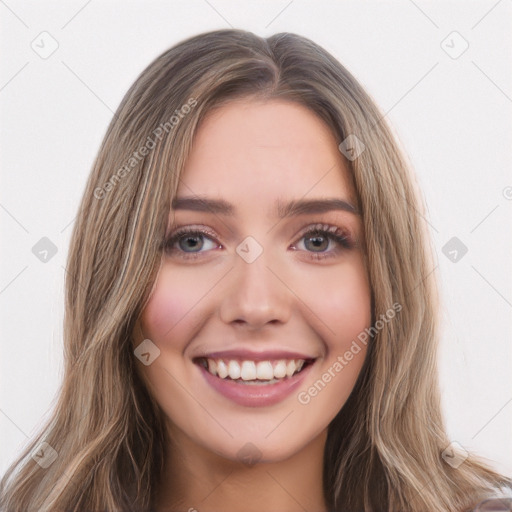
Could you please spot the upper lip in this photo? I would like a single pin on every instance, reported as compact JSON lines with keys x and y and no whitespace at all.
{"x":249,"y":355}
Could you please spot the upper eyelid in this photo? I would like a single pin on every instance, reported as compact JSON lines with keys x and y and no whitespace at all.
{"x":351,"y":223}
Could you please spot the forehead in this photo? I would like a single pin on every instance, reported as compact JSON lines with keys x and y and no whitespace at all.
{"x":265,"y":150}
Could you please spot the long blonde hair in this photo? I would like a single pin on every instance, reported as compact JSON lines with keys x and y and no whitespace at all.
{"x":384,"y":447}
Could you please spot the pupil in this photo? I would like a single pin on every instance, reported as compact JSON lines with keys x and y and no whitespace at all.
{"x":319,"y":242}
{"x":194,"y":240}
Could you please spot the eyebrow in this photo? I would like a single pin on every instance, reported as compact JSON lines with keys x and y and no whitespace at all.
{"x":290,"y":209}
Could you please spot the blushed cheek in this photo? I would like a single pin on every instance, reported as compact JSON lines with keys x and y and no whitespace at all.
{"x":343,"y":301}
{"x":168,"y":309}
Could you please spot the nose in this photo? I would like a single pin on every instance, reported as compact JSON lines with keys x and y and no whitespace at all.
{"x":256,"y":294}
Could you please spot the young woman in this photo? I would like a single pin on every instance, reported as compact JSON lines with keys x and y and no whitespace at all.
{"x":250,"y":311}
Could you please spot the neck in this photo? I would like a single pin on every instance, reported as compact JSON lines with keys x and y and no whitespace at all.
{"x":196,"y":479}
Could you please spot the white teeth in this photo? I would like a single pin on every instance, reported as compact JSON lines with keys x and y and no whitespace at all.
{"x":212,"y":366}
{"x":222,"y":369}
{"x":234,"y":370}
{"x":264,"y":370}
{"x":290,"y":368}
{"x":248,"y":370}
{"x":280,"y":369}
{"x":253,"y":371}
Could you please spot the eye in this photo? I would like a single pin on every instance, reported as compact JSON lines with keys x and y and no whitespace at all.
{"x":188,"y":238}
{"x":318,"y":239}
{"x":188,"y":243}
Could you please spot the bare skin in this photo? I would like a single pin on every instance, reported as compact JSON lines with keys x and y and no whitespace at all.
{"x":305,"y":292}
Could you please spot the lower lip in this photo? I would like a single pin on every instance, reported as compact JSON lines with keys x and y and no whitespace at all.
{"x":255,"y":395}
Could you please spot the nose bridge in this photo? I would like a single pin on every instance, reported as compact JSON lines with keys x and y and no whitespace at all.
{"x":255,"y":295}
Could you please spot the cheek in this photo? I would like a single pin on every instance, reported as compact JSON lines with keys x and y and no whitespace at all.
{"x":169,"y":319}
{"x":170,"y":306}
{"x":341,"y":297}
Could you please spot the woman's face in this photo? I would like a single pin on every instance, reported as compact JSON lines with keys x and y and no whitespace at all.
{"x":259,"y":288}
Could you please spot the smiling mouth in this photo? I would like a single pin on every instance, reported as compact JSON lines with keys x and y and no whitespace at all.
{"x":254,"y":372}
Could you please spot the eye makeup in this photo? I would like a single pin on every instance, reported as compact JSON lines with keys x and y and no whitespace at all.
{"x":315,"y":233}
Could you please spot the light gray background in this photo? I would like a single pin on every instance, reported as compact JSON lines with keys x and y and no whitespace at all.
{"x":453,"y":116}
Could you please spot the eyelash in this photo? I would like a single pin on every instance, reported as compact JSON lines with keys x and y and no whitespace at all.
{"x":333,"y":233}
